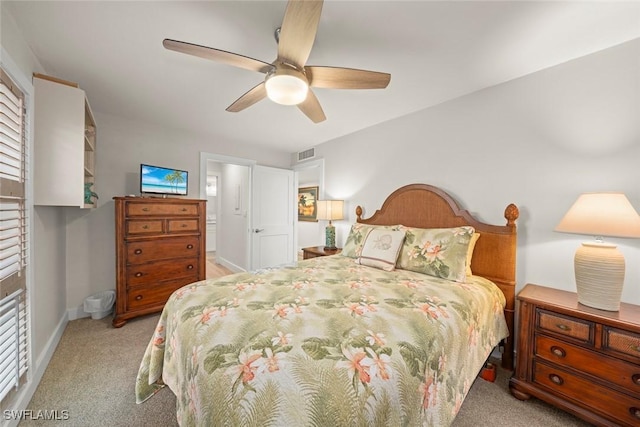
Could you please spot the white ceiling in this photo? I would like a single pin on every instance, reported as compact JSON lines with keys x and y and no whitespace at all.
{"x":434,"y":51}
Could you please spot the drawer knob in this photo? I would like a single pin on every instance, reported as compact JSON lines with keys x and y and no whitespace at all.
{"x":563,"y":327}
{"x":635,"y":412}
{"x":137,"y":251}
{"x":145,"y":209}
{"x":189,"y":246}
{"x":636,"y":379}
{"x":184,"y":209}
{"x":138,"y":297}
{"x":557,"y":351}
{"x":189,"y":267}
{"x":556,"y":379}
{"x":138,"y":274}
{"x":183,"y":225}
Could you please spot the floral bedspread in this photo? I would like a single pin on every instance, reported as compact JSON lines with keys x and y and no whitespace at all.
{"x":326,"y":343}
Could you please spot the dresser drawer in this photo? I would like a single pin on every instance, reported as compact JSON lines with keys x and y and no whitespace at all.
{"x":609,"y":369}
{"x":168,"y":248}
{"x":155,"y":272}
{"x":621,"y":408}
{"x":155,"y":295}
{"x":181,"y":225}
{"x":144,"y":227}
{"x":625,"y":342}
{"x":579,"y":329}
{"x":162,"y":209}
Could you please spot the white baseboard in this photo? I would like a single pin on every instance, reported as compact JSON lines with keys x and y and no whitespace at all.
{"x":231,"y":266}
{"x":77,"y":313}
{"x":37,"y":370}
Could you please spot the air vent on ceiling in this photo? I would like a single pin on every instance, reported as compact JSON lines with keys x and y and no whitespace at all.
{"x":306,"y":154}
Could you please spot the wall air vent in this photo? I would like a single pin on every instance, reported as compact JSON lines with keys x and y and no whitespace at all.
{"x":306,"y":154}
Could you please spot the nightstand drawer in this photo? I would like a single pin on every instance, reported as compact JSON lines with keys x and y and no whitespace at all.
{"x":621,"y":408}
{"x":624,"y":342}
{"x":568,"y":326}
{"x":609,"y":369}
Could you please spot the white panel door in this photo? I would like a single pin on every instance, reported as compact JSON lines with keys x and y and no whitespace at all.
{"x":272,"y":216}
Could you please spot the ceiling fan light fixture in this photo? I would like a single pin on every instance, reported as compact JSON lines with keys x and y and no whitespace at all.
{"x":286,"y":86}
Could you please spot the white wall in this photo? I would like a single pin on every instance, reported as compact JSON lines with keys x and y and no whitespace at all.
{"x":538,"y":141}
{"x":233,"y":190}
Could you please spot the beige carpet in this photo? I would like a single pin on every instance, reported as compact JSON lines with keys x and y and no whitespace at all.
{"x":93,"y":370}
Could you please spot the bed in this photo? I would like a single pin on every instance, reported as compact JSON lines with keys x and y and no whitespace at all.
{"x":347,"y":339}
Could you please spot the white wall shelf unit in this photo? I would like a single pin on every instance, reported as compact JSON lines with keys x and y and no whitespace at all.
{"x":65,"y":144}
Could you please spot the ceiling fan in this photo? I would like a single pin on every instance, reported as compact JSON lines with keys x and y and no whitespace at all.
{"x":288,"y":79}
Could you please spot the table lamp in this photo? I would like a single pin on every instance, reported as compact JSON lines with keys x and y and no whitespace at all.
{"x":600,"y":267}
{"x":330,"y":210}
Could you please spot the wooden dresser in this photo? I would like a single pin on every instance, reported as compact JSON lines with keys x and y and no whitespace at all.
{"x":581,"y":359}
{"x":160,"y":247}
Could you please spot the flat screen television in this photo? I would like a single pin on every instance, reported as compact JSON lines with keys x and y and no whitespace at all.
{"x":165,"y":181}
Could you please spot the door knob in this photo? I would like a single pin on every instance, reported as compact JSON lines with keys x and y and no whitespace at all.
{"x":258,"y":230}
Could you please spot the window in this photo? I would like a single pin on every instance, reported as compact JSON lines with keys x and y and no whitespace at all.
{"x":13,"y":237}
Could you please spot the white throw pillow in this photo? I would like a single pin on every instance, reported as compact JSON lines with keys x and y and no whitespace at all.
{"x":381,"y":247}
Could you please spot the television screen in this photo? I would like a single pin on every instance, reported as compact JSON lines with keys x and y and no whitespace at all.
{"x":159,"y":180}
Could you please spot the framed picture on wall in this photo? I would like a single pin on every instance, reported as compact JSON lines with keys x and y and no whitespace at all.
{"x":307,"y":203}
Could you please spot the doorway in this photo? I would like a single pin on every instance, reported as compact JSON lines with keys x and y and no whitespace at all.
{"x":310,"y":174}
{"x":233,"y":208}
{"x":227,"y":211}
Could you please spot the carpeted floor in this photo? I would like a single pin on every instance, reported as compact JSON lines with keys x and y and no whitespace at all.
{"x":93,"y":370}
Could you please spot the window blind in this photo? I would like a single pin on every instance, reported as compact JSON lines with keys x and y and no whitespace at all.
{"x":13,"y":237}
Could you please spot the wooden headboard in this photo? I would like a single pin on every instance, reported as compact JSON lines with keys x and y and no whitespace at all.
{"x":494,"y":256}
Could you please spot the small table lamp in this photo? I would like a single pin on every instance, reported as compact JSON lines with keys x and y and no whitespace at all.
{"x":330,"y":210}
{"x":600,"y":267}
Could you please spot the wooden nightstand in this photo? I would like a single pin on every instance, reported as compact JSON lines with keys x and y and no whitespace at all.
{"x":580,"y":359}
{"x":316,"y":251}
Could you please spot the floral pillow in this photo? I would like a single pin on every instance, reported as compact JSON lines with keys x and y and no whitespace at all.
{"x":380,"y":248}
{"x":439,"y":252}
{"x":353,"y":246}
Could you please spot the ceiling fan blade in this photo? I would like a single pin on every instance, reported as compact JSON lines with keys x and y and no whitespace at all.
{"x":218,"y":55}
{"x":255,"y":94}
{"x":346,"y":78}
{"x":312,"y":109}
{"x":298,"y":31}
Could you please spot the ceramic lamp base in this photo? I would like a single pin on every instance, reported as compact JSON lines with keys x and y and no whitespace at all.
{"x":599,"y":270}
{"x":330,"y":238}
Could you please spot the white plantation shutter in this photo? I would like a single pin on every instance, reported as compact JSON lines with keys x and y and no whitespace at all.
{"x":13,"y":342}
{"x":13,"y":237}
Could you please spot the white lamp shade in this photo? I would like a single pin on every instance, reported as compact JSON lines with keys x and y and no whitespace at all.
{"x":330,"y":209}
{"x":601,"y":214}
